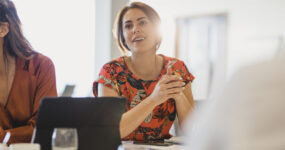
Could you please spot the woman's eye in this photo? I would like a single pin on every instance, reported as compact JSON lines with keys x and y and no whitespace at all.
{"x":128,"y":26}
{"x":142,"y":23}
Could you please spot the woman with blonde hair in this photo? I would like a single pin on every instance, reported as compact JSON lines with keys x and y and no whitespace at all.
{"x":157,"y":87}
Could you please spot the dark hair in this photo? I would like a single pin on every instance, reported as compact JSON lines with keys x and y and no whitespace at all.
{"x":14,"y":42}
{"x":118,"y":25}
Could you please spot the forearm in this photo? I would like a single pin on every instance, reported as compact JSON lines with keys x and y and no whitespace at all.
{"x":183,"y":107}
{"x":21,"y":134}
{"x":134,"y":117}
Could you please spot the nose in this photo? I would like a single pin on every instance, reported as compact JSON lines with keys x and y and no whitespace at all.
{"x":136,"y":29}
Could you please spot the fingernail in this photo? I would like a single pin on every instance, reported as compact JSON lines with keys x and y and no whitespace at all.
{"x":184,"y":83}
{"x":181,"y":93}
{"x":183,"y":88}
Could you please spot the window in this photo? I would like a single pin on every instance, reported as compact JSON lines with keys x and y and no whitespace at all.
{"x":202,"y":45}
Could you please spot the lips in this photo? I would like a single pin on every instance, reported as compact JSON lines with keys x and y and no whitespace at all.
{"x":137,"y":39}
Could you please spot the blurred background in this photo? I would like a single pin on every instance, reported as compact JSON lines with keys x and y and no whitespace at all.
{"x":213,"y":37}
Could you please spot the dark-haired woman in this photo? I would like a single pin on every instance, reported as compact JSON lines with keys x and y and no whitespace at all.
{"x":25,"y":78}
{"x":157,"y":87}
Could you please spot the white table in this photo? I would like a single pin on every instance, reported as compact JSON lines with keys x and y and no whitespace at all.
{"x":129,"y":145}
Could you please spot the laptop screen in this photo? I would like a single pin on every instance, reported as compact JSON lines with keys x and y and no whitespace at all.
{"x":96,"y":120}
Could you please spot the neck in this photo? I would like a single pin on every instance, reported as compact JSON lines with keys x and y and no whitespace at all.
{"x":143,"y":60}
{"x":145,"y":65}
{"x":2,"y":60}
{"x":5,"y":58}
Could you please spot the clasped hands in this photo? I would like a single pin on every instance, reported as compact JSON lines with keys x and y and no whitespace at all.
{"x":169,"y":86}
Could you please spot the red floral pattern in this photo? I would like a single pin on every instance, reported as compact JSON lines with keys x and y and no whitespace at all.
{"x":117,"y":76}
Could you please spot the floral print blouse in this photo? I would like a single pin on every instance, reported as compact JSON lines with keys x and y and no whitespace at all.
{"x":116,"y":75}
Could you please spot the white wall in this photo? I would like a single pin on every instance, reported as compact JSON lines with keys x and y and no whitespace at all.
{"x":105,"y":45}
{"x":102,"y":34}
{"x":64,"y":31}
{"x":254,"y":26}
{"x":117,"y":5}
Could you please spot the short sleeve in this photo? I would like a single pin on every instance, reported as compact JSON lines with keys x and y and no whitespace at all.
{"x":181,"y":69}
{"x":107,"y":77}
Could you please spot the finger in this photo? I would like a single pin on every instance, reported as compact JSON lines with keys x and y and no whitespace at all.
{"x":170,"y":78}
{"x":165,"y":90}
{"x":176,"y":95}
{"x":175,"y":84}
{"x":174,"y":91}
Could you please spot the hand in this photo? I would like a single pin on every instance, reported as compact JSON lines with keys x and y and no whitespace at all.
{"x":169,"y":86}
{"x":181,"y":94}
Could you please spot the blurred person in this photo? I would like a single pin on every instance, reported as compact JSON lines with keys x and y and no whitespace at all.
{"x":157,"y":87}
{"x":248,"y":115}
{"x":26,"y":76}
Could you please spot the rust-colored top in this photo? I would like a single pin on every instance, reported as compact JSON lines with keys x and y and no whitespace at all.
{"x":33,"y":80}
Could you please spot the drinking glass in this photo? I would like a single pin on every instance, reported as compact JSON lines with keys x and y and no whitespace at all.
{"x":64,"y":139}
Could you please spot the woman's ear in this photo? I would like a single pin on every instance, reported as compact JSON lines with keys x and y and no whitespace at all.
{"x":4,"y":29}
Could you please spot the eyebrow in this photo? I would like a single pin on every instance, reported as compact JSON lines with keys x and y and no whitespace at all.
{"x":129,"y":21}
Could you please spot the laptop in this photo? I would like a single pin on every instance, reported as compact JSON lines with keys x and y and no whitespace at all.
{"x":68,"y":91}
{"x":96,"y":120}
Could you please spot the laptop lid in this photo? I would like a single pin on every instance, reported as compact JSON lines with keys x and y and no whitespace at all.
{"x":68,"y":91}
{"x":96,"y":120}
